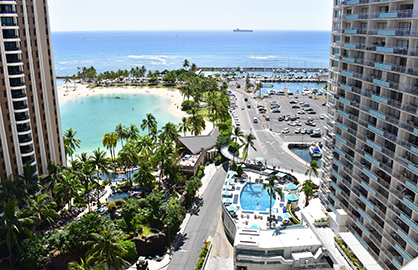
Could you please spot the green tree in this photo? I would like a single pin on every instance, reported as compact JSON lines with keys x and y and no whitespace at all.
{"x":149,"y":123}
{"x":169,"y":133}
{"x":272,"y":189}
{"x":11,"y":189}
{"x":121,"y":132}
{"x":248,"y":142}
{"x":313,"y":168}
{"x":197,"y":123}
{"x":110,"y":140}
{"x":67,"y":189}
{"x":107,"y":248}
{"x":70,"y":142}
{"x":86,"y":265}
{"x":67,"y":81}
{"x":237,"y":134}
{"x":133,"y":132}
{"x":128,"y":156}
{"x":308,"y":188}
{"x":144,"y":177}
{"x":42,"y":210}
{"x":186,"y":63}
{"x":184,"y":126}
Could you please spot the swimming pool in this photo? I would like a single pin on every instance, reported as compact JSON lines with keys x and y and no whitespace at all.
{"x":118,"y":195}
{"x":254,"y":197}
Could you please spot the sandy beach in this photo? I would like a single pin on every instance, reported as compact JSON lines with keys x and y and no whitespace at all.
{"x":173,"y":95}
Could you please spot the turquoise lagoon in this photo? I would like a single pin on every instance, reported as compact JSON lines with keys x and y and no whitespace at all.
{"x":93,"y":116}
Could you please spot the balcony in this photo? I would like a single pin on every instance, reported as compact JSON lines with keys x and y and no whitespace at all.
{"x":24,"y":139}
{"x":7,"y":9}
{"x":393,"y":32}
{"x":22,"y":128}
{"x":21,"y":117}
{"x":13,"y":58}
{"x":29,"y":159}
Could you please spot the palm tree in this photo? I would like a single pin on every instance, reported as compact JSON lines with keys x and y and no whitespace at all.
{"x":186,"y":63}
{"x":149,"y":123}
{"x":29,"y":179}
{"x":101,"y":162}
{"x":272,"y":189}
{"x":165,"y":156}
{"x":248,"y":142}
{"x":193,"y":67}
{"x":308,"y":188}
{"x":87,"y":176}
{"x":110,"y":140}
{"x":121,"y":132}
{"x":41,"y":209}
{"x":133,"y":132}
{"x":313,"y":168}
{"x":11,"y":189}
{"x":86,"y":265}
{"x":14,"y":225}
{"x":49,"y":181}
{"x":184,"y":126}
{"x":197,"y":123}
{"x":170,"y":132}
{"x":106,"y":247}
{"x":144,"y":177}
{"x":128,"y":156}
{"x":237,"y":134}
{"x":67,"y":189}
{"x":67,"y":81}
{"x":70,"y":142}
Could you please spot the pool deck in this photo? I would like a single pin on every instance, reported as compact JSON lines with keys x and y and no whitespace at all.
{"x":246,"y":219}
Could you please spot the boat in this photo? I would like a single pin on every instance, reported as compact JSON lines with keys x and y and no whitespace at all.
{"x":242,"y":30}
{"x":271,"y":91}
{"x":282,"y":91}
{"x":315,"y":151}
{"x":265,"y":85}
{"x":117,"y":97}
{"x":306,"y":91}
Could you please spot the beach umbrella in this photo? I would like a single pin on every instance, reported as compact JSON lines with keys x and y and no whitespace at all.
{"x":268,"y":171}
{"x":286,"y":215}
{"x":227,"y":187}
{"x":232,"y":208}
{"x":229,"y":180}
{"x":226,"y":193}
{"x":292,"y":197}
{"x":254,"y":226}
{"x":291,"y":186}
{"x":232,"y":173}
{"x":259,"y":159}
{"x":228,"y":200}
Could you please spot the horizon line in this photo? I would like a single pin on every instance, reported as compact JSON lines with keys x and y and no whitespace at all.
{"x":195,"y":30}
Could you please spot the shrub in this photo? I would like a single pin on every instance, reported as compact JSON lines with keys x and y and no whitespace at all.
{"x":111,"y":206}
{"x":199,"y":174}
{"x":201,"y":167}
{"x":105,"y":182}
{"x":187,"y":105}
{"x":240,"y":171}
{"x":234,"y":166}
{"x":131,"y":248}
{"x":120,"y":202}
{"x":218,"y":160}
{"x":233,"y":147}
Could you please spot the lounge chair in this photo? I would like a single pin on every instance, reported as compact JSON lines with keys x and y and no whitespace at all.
{"x":248,"y":216}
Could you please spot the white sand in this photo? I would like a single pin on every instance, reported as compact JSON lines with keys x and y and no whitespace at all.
{"x":173,"y":95}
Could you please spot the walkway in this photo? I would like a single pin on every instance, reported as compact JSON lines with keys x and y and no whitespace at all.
{"x":225,"y":152}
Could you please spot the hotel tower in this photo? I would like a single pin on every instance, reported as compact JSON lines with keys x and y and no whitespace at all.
{"x":371,"y":139}
{"x":30,"y":129}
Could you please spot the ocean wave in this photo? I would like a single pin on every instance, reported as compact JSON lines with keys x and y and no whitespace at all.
{"x":262,"y":57}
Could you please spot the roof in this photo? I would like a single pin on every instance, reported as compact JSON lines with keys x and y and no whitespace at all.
{"x":195,"y":143}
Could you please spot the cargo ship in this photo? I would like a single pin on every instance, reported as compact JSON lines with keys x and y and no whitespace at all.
{"x":242,"y":30}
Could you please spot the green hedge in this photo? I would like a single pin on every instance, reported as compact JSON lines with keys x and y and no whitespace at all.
{"x":347,"y":252}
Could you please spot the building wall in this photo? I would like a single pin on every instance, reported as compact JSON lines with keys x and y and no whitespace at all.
{"x":32,"y":66}
{"x":372,"y":126}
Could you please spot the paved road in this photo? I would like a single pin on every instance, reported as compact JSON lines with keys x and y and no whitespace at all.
{"x":202,"y":224}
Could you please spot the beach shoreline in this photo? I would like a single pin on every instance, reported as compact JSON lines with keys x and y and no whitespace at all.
{"x":173,"y":95}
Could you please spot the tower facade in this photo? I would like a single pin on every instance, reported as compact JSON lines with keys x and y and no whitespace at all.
{"x":30,"y":129}
{"x":371,"y":138}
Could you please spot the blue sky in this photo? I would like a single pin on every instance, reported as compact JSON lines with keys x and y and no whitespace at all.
{"x":102,"y":15}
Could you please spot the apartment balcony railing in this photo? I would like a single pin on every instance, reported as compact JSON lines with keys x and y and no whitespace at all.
{"x":393,"y":32}
{"x":23,"y":128}
{"x":353,"y":45}
{"x":393,"y":14}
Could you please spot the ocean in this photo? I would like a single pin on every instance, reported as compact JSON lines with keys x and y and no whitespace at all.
{"x":168,"y":49}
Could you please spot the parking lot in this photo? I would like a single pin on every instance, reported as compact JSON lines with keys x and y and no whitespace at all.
{"x":294,"y":114}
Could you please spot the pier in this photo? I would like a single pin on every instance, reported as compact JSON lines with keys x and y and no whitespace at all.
{"x":261,"y":69}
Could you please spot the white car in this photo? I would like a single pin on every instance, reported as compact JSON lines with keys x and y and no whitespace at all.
{"x":291,"y":124}
{"x":298,"y":123}
{"x":317,"y":130}
{"x":297,"y":131}
{"x":322,"y":116}
{"x":285,"y":130}
{"x":301,"y":112}
{"x":303,"y":131}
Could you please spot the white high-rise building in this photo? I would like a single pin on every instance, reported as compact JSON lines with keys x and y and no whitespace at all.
{"x":371,"y":138}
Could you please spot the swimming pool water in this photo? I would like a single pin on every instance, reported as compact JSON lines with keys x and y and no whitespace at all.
{"x":254,"y":197}
{"x":118,"y":195}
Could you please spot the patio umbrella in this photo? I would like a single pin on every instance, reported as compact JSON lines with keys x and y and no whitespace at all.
{"x":254,"y":226}
{"x":267,"y":171}
{"x":229,"y":180}
{"x":280,"y":174}
{"x":226,"y":193}
{"x":232,"y":173}
{"x":292,"y":197}
{"x":286,"y":215}
{"x":291,"y":186}
{"x":227,"y":187}
{"x":232,"y":208}
{"x":227,"y":200}
{"x":259,"y":159}
{"x":242,"y":165}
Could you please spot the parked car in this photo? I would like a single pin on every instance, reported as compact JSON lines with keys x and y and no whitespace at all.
{"x":242,"y":108}
{"x":275,"y":106}
{"x":322,"y":116}
{"x":298,"y":123}
{"x":310,"y":123}
{"x":285,"y":130}
{"x":316,"y":135}
{"x":291,"y":124}
{"x":303,"y":131}
{"x":292,"y":118}
{"x":317,"y":130}
{"x":324,"y":104}
{"x":276,"y":110}
{"x":293,"y":101}
{"x":309,"y":131}
{"x":305,"y":105}
{"x":281,"y":117}
{"x":260,"y":106}
{"x":295,"y":107}
{"x":245,"y":99}
{"x":300,"y":112}
{"x":297,"y":131}
{"x":255,"y":120}
{"x":287,"y":118}
{"x":308,"y":109}
{"x":267,"y":118}
{"x":312,"y":112}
